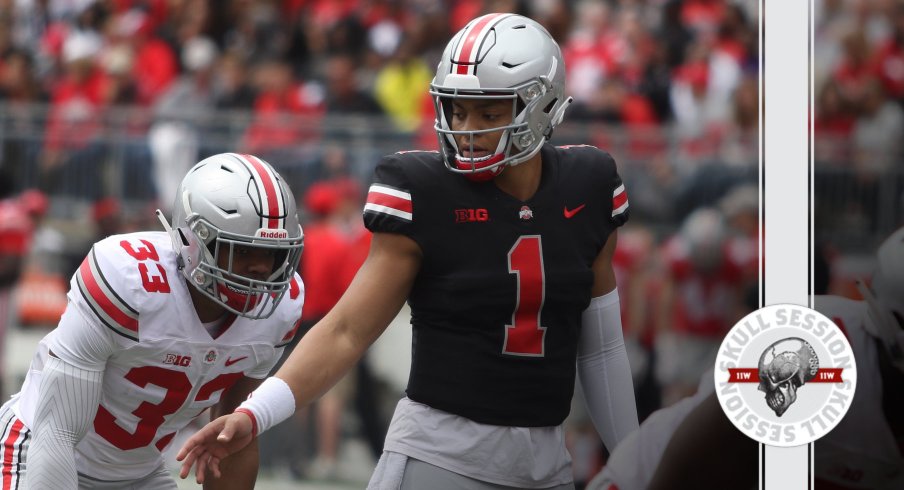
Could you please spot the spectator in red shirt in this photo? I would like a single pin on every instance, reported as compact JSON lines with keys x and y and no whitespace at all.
{"x":834,"y":123}
{"x":890,"y":57}
{"x":72,"y":154}
{"x":19,"y":216}
{"x":286,"y":112}
{"x":155,"y":65}
{"x":855,"y":69}
{"x":703,"y":16}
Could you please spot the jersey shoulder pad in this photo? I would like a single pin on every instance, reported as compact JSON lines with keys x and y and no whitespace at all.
{"x":123,"y":275}
{"x":587,"y":158}
{"x":390,"y":206}
{"x":848,"y":314}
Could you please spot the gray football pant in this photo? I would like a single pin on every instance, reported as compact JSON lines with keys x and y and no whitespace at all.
{"x":420,"y":475}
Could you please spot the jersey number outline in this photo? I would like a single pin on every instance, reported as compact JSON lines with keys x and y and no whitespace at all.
{"x":151,"y":284}
{"x":150,"y":415}
{"x":525,"y":336}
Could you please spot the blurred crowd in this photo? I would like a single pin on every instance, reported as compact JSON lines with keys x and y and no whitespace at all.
{"x":859,"y":114}
{"x":107,"y":103}
{"x":160,"y":76}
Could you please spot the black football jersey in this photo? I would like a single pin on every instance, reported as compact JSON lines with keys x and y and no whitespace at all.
{"x":496,"y":306}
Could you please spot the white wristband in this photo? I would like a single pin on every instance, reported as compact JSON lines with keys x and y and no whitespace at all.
{"x":271,"y":403}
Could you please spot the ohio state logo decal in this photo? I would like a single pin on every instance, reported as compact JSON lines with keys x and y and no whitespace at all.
{"x":211,"y":356}
{"x":785,"y":375}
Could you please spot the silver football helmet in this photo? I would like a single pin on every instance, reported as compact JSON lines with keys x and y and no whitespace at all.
{"x":228,"y":201}
{"x":500,"y":56}
{"x":885,"y":297}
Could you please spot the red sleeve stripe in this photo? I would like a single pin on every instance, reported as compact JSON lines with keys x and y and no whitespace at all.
{"x":270,"y":195}
{"x":110,"y":309}
{"x":468,"y":49}
{"x":619,"y":200}
{"x":290,"y":335}
{"x":386,"y":200}
{"x":14,"y":436}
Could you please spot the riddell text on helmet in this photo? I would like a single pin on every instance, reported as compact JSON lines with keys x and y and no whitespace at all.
{"x":785,"y":375}
{"x":263,"y":233}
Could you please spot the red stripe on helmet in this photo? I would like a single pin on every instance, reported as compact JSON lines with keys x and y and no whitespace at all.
{"x":270,"y":188}
{"x":471,"y":38}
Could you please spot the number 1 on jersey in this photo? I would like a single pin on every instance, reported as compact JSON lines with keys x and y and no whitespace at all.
{"x":525,"y":336}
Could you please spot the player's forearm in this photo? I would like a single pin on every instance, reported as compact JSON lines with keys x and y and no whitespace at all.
{"x":321,"y":359}
{"x":604,"y":371}
{"x":239,"y":471}
{"x":335,"y":343}
{"x":372,"y":301}
{"x":317,"y":363}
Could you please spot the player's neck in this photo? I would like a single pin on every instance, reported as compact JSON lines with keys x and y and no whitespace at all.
{"x":523,"y":180}
{"x":206,"y":308}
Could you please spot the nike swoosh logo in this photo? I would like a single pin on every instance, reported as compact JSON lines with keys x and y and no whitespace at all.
{"x":230,"y":362}
{"x":571,"y":212}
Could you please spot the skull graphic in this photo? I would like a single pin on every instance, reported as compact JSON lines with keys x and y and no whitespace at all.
{"x":784,"y":367}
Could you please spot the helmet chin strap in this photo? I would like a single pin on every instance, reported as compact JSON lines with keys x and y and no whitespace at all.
{"x":490,"y":172}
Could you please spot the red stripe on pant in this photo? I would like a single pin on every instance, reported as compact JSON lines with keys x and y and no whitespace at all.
{"x":9,"y":451}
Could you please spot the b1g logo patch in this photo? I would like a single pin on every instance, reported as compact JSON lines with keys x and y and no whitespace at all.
{"x":785,"y":375}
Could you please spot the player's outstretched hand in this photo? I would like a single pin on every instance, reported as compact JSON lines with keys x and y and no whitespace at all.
{"x":216,"y":440}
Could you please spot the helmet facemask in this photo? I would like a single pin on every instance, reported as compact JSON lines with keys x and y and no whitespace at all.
{"x":244,"y":296}
{"x":529,"y":127}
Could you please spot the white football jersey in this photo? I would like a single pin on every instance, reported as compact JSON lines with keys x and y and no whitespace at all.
{"x":165,"y":368}
{"x":860,"y":452}
{"x":633,"y":463}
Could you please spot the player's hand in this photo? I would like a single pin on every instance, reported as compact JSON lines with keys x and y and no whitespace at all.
{"x":215,"y":441}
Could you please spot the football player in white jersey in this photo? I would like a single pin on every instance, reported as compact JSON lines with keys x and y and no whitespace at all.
{"x":862,"y":452}
{"x":161,"y":326}
{"x":652,"y":448}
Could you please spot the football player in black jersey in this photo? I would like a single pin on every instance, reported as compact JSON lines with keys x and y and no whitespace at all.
{"x":502,"y":245}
